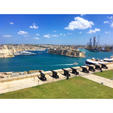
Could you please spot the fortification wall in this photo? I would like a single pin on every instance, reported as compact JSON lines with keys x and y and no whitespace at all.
{"x":70,"y":52}
{"x":9,"y":84}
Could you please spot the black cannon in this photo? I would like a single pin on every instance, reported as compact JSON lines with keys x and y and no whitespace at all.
{"x":84,"y":69}
{"x":98,"y":67}
{"x":91,"y":68}
{"x":104,"y":66}
{"x":74,"y":71}
{"x":42,"y":77}
{"x":54,"y":75}
{"x":66,"y":73}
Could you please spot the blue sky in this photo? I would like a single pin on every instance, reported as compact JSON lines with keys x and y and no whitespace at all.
{"x":55,"y":29}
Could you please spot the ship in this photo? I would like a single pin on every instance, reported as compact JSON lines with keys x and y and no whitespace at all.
{"x":25,"y":53}
{"x":93,"y":45}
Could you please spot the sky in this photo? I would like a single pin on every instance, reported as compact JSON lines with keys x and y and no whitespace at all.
{"x":69,"y":29}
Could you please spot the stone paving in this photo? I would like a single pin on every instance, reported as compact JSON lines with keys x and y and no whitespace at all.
{"x":98,"y":79}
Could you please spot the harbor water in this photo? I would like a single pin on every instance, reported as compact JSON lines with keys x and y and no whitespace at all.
{"x":44,"y":61}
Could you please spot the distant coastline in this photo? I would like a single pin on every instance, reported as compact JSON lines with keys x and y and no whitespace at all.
{"x":7,"y":51}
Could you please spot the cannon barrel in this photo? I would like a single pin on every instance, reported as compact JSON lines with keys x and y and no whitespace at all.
{"x":74,"y":71}
{"x":98,"y":67}
{"x":66,"y":73}
{"x":54,"y":74}
{"x":104,"y":66}
{"x":91,"y":68}
{"x":84,"y":69}
{"x":42,"y":77}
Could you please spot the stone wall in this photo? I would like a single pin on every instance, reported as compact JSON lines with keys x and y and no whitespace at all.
{"x":32,"y":79}
{"x":70,"y":52}
{"x":5,"y":52}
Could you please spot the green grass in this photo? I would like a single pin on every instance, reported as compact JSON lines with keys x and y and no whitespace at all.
{"x":107,"y":74}
{"x":77,"y":87}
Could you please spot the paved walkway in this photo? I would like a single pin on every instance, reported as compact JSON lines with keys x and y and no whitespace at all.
{"x":17,"y":84}
{"x":98,"y":79}
{"x":14,"y":85}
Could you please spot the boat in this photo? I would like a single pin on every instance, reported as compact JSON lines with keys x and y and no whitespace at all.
{"x":25,"y":53}
{"x":93,"y":45}
{"x":95,"y":61}
{"x":75,"y":63}
{"x":109,"y":59}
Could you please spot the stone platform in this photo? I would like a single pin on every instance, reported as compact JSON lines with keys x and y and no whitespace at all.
{"x":30,"y":80}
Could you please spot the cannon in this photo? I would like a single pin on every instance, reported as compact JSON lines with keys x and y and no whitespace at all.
{"x":74,"y":71}
{"x":66,"y":73}
{"x":84,"y":69}
{"x":54,"y":75}
{"x":42,"y":76}
{"x":91,"y":68}
{"x":104,"y":66}
{"x":98,"y":67}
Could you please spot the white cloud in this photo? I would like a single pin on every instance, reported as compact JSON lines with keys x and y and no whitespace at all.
{"x":79,"y":23}
{"x":62,"y":34}
{"x":110,"y":17}
{"x":69,"y":33}
{"x":52,"y":35}
{"x":55,"y":35}
{"x":106,"y":22}
{"x":82,"y":14}
{"x":47,"y":36}
{"x":7,"y":36}
{"x":110,"y":21}
{"x":11,"y":23}
{"x":80,"y":32}
{"x":22,"y":33}
{"x":33,"y":26}
{"x":94,"y":30}
{"x":54,"y":31}
{"x":112,"y":24}
{"x":36,"y":38}
{"x":37,"y":34}
{"x":106,"y":32}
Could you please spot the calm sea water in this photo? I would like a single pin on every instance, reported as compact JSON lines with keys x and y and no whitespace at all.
{"x":45,"y":61}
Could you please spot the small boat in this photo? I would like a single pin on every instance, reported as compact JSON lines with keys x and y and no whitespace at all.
{"x":94,"y":61}
{"x":75,"y":63}
{"x":25,"y":53}
{"x":109,"y":59}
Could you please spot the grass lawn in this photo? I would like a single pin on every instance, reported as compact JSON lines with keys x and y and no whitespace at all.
{"x":107,"y":74}
{"x":77,"y":87}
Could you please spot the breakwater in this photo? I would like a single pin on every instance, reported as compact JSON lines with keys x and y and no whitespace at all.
{"x":7,"y":51}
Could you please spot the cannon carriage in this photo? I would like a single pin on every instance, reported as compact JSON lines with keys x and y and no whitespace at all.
{"x":84,"y":69}
{"x":66,"y":73}
{"x":91,"y":68}
{"x":104,"y":66}
{"x":55,"y":75}
{"x":74,"y":71}
{"x":98,"y":67}
{"x":42,"y":76}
